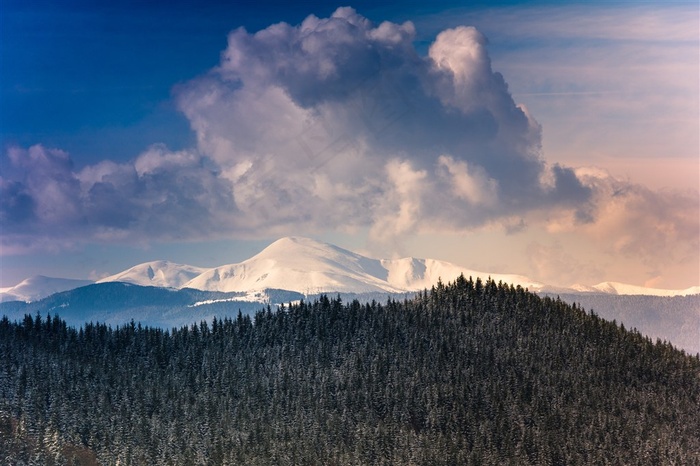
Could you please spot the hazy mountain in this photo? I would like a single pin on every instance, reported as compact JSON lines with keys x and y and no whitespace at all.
{"x":671,"y":318}
{"x":625,"y":289}
{"x":119,"y":303}
{"x":38,"y":287}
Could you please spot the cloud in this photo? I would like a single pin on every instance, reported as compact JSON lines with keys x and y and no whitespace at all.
{"x":47,"y":187}
{"x":559,"y":60}
{"x":657,"y":227}
{"x":473,"y":186}
{"x":556,"y":265}
{"x":297,"y":117}
{"x":162,"y":195}
{"x":334,"y":124}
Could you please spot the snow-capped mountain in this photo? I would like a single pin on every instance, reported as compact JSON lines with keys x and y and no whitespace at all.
{"x":299,"y":264}
{"x":35,"y":288}
{"x":157,"y":273}
{"x":165,"y":294}
{"x":625,"y":289}
{"x":308,"y":266}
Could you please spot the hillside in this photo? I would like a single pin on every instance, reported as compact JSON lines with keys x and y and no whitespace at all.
{"x":468,"y":373}
{"x":672,"y":318}
{"x":120,"y":303}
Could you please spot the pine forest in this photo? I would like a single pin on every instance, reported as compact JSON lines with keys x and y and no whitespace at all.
{"x":468,"y":373}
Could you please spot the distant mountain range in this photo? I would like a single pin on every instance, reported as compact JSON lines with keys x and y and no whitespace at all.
{"x":165,"y":294}
{"x":309,"y":267}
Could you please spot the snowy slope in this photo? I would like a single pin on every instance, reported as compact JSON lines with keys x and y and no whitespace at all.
{"x":308,"y":266}
{"x":413,"y":274}
{"x":625,"y":289}
{"x":38,"y":287}
{"x":299,"y":264}
{"x":157,"y":273}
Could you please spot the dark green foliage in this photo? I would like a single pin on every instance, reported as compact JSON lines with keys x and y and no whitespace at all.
{"x":468,"y":373}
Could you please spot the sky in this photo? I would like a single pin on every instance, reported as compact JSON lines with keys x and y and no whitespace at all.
{"x":558,"y":140}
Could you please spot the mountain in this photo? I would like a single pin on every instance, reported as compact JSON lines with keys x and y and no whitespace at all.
{"x":310,"y":267}
{"x":411,"y":274}
{"x":164,"y":294}
{"x":625,"y":289}
{"x":157,"y":273}
{"x":37,"y":287}
{"x":302,"y":265}
{"x":307,"y":266}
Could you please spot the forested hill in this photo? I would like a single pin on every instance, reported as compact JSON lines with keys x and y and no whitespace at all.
{"x":467,"y":373}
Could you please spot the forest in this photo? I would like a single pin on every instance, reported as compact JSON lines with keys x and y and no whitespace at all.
{"x":471,"y":372}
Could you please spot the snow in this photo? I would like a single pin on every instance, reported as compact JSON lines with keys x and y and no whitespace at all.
{"x":302,"y":265}
{"x":213,"y":301}
{"x":163,"y":274}
{"x":38,"y":287}
{"x":310,"y":267}
{"x":625,"y":289}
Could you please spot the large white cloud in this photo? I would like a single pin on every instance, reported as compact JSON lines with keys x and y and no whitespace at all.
{"x":297,"y":117}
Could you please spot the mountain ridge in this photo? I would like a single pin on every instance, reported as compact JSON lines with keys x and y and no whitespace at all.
{"x":160,"y":273}
{"x":308,"y":266}
{"x":38,"y":287}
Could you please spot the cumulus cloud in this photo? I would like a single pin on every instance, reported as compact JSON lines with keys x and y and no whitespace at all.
{"x":332,"y":124}
{"x":298,"y":117}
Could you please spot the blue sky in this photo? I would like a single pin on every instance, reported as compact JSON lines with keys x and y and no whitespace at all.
{"x":557,"y":140}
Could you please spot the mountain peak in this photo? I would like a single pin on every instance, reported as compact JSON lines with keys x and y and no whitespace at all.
{"x":40,"y":286}
{"x":309,"y":266}
{"x":157,"y":273}
{"x":302,"y":245}
{"x":299,"y":264}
